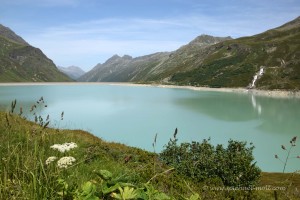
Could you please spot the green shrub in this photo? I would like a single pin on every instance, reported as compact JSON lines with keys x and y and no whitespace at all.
{"x":201,"y":160}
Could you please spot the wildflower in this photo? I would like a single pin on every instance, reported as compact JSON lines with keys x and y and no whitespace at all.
{"x":64,"y":147}
{"x":50,"y":160}
{"x":64,"y":162}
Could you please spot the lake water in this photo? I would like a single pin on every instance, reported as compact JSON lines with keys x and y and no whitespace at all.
{"x":133,"y":115}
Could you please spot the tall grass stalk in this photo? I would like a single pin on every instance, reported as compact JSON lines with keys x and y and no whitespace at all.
{"x":154,"y":156}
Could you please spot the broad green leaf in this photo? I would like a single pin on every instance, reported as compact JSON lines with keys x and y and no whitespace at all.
{"x":194,"y":197}
{"x":126,"y":193}
{"x":104,"y":174}
{"x":108,"y":190}
{"x":161,"y":196}
{"x":88,"y":188}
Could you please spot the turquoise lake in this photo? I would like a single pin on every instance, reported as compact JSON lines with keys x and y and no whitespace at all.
{"x":133,"y":115}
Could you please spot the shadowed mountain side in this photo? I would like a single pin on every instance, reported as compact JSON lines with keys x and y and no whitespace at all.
{"x":20,"y":62}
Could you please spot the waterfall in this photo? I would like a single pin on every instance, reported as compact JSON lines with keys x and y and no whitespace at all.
{"x":256,"y":76}
{"x":253,"y":81}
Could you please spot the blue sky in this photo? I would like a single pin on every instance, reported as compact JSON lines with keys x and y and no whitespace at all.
{"x":87,"y":32}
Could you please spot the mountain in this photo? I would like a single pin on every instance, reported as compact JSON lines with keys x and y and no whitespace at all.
{"x":270,"y":60}
{"x":150,"y":67}
{"x":20,"y":62}
{"x":73,"y":72}
{"x":9,"y":34}
{"x":123,"y":69}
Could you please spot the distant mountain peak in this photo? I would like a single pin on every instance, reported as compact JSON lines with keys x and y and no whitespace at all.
{"x":73,"y":72}
{"x":117,"y":58}
{"x":74,"y":68}
{"x":204,"y":40}
{"x":9,"y":34}
{"x":127,"y":57}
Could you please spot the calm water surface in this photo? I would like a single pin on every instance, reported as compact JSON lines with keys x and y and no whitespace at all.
{"x":133,"y":115}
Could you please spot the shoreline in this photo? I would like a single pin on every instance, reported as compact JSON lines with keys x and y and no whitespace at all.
{"x":267,"y":93}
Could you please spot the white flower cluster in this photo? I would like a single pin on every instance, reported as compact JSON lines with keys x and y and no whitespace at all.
{"x":64,"y":147}
{"x":64,"y":162}
{"x":50,"y":160}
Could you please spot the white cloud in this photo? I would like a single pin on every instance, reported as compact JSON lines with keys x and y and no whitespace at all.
{"x":90,"y":42}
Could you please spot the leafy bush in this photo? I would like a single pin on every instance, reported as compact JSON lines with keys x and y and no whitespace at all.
{"x":200,"y":161}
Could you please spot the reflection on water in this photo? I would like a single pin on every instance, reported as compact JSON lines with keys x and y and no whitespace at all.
{"x":276,"y":115}
{"x":221,"y":106}
{"x":255,"y":105}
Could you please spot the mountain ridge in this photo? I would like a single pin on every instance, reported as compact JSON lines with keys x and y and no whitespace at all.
{"x":11,"y":35}
{"x":219,"y":62}
{"x":126,"y":68}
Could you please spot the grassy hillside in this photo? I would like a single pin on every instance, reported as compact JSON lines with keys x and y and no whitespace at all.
{"x":217,"y":62}
{"x":20,"y":62}
{"x":233,"y":63}
{"x":100,"y":169}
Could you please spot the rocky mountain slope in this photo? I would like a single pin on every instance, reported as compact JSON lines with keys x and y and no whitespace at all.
{"x":149,"y":67}
{"x":73,"y":72}
{"x":124,"y":69}
{"x":20,"y":62}
{"x":270,"y":60}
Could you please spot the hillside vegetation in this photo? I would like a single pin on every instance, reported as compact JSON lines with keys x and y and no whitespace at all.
{"x":216,"y":62}
{"x":233,"y":63}
{"x":20,"y":62}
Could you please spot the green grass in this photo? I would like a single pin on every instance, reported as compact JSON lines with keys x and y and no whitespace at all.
{"x":25,"y":146}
